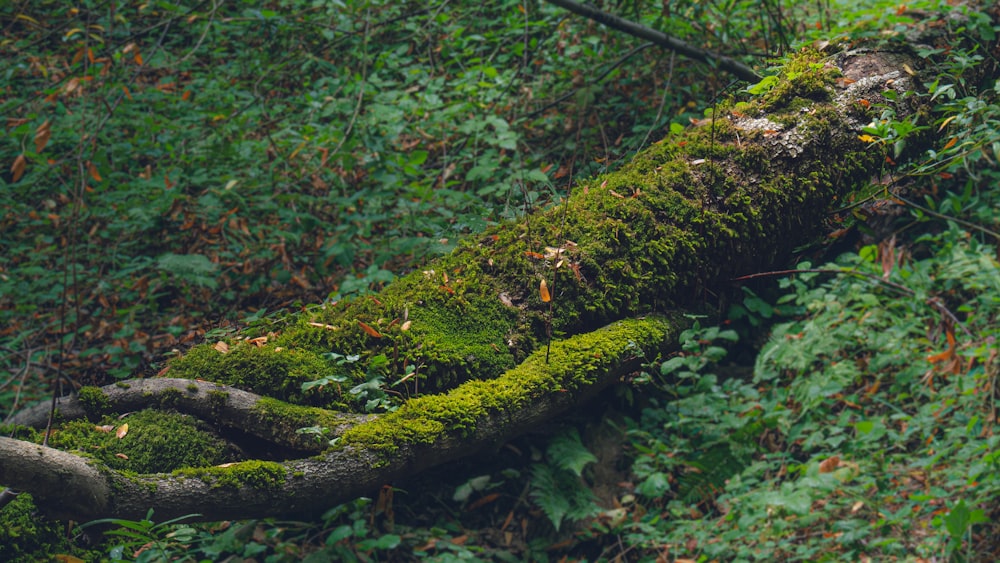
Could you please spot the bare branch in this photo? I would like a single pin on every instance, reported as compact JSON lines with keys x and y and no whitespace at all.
{"x":729,"y":64}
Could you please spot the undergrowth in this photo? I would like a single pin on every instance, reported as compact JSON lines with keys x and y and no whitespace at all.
{"x":148,"y":187}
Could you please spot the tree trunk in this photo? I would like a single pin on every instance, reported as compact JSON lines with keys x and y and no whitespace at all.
{"x":468,"y":337}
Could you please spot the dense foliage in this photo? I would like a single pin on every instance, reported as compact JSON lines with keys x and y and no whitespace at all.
{"x":171,"y":170}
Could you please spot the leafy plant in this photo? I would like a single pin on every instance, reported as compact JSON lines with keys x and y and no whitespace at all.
{"x":556,"y":485}
{"x":146,"y":541}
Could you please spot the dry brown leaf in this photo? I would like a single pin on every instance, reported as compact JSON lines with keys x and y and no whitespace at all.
{"x":105,"y":428}
{"x":369,"y":330}
{"x":42,"y":135}
{"x":829,"y":465}
{"x":121,"y":456}
{"x":405,"y":326}
{"x":221,"y":347}
{"x":17,"y":169}
{"x":92,"y":170}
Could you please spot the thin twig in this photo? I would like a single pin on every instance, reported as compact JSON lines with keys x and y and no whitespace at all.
{"x":728,"y":64}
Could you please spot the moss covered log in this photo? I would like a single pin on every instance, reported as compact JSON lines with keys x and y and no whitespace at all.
{"x":732,"y":196}
{"x":625,"y":251}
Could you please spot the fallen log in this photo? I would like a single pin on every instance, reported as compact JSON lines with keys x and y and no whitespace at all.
{"x":478,"y":349}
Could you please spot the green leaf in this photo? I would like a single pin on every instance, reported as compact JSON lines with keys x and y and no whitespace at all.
{"x":548,"y":495}
{"x":567,"y":452}
{"x":654,"y":486}
{"x":194,"y":268}
{"x":763,"y":86}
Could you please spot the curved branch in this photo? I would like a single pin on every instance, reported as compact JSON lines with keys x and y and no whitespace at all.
{"x":53,"y":476}
{"x":226,"y":406}
{"x":68,"y":486}
{"x":729,"y":64}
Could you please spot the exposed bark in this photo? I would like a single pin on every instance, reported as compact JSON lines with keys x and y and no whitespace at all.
{"x":730,"y":197}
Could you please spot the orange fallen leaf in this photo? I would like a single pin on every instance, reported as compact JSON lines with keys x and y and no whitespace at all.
{"x":947,"y":354}
{"x":92,"y":170}
{"x":484,"y":501}
{"x":17,"y":169}
{"x":543,"y":291}
{"x":121,"y":456}
{"x":122,"y":431}
{"x":829,"y":465}
{"x":369,"y":330}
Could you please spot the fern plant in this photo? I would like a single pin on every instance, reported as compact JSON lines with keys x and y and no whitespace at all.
{"x":557,"y":484}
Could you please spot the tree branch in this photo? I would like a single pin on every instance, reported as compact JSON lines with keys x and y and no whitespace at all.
{"x":69,"y":486}
{"x":729,"y":64}
{"x":228,"y":407}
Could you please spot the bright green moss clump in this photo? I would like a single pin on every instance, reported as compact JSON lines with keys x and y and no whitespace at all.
{"x":154,"y":442}
{"x":256,"y":474}
{"x":573,"y":364}
{"x":269,"y":370}
{"x":94,"y":402}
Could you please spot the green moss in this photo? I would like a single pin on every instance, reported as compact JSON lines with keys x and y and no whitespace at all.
{"x":169,"y":398}
{"x":285,"y":418}
{"x":807,"y":80}
{"x":573,"y":363}
{"x":255,"y":473}
{"x":94,"y":402}
{"x":192,"y":388}
{"x":269,"y":370}
{"x":217,"y":399}
{"x":26,"y":535}
{"x":154,"y":442}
